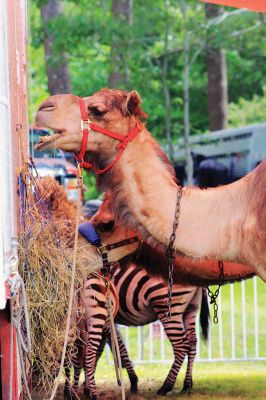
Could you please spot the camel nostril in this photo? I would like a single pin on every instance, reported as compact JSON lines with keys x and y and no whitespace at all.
{"x":47,"y":106}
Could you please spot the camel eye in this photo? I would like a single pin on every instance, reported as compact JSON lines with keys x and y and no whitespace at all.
{"x":105,"y":226}
{"x":97,"y":111}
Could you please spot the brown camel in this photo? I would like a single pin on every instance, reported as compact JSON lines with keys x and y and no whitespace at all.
{"x":227,"y":223}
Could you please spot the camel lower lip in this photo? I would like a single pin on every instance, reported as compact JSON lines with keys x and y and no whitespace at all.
{"x":45,"y":141}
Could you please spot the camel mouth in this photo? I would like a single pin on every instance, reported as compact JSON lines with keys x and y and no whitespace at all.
{"x":45,"y":142}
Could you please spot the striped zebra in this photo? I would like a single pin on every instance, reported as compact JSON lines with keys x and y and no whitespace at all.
{"x":140,"y":300}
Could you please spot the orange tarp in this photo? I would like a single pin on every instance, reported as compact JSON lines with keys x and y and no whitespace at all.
{"x":254,"y":5}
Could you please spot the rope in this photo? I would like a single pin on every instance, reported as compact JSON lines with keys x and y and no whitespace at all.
{"x":71,"y":296}
{"x":114,"y":342}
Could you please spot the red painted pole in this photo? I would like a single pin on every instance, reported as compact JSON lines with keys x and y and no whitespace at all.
{"x":8,"y":366}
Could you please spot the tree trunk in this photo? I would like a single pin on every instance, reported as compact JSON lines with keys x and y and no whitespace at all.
{"x":56,"y":61}
{"x":119,"y":72}
{"x":189,"y":161}
{"x":167,"y":106}
{"x":217,"y":78}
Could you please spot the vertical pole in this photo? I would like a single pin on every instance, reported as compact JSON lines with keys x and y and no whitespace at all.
{"x":232,"y":307}
{"x":220,"y":326}
{"x":244,"y":321}
{"x":8,"y":366}
{"x":189,"y":161}
{"x":210,"y":344}
{"x":256,"y":325}
{"x":162,"y":342}
{"x":151,"y":341}
{"x":139,"y":343}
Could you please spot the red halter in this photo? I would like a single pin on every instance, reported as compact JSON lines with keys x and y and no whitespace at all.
{"x":87,"y":125}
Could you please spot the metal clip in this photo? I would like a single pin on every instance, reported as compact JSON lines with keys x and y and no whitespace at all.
{"x":85,"y":124}
{"x":102,"y":249}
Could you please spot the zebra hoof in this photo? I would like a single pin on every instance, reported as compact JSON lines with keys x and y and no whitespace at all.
{"x":134,"y":385}
{"x":88,"y":395}
{"x":68,"y":395}
{"x":164,"y":390}
{"x":186,"y":390}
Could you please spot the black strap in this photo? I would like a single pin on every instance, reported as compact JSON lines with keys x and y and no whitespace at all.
{"x":103,"y":250}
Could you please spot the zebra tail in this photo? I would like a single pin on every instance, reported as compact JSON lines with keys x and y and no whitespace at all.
{"x":204,"y":315}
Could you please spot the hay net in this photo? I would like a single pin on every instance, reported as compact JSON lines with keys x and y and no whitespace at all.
{"x":47,"y":220}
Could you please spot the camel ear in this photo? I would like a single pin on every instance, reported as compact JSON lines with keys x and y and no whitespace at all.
{"x":133,"y":103}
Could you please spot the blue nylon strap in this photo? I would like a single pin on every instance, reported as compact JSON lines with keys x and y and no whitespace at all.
{"x":88,"y":231}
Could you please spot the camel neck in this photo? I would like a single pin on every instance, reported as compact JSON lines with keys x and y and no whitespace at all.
{"x":146,"y":190}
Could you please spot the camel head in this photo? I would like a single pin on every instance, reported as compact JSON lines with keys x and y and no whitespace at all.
{"x":109,"y":232}
{"x":114,"y":110}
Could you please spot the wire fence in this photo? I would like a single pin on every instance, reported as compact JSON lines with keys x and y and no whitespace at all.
{"x":240,"y":334}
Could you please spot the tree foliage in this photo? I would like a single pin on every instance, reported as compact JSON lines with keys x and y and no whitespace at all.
{"x":87,"y":29}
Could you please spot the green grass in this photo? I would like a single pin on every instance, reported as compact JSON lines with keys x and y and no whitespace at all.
{"x":245,"y":380}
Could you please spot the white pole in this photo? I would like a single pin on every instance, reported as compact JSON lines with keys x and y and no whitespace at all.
{"x":151,"y":341}
{"x":256,"y":328}
{"x":210,"y":344}
{"x":232,"y":307}
{"x":162,"y":342}
{"x":220,"y":325}
{"x":139,"y":343}
{"x":244,"y":319}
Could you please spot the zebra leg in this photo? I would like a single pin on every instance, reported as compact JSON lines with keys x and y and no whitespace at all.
{"x":101,"y":348}
{"x":90,"y":389}
{"x":176,"y":334}
{"x":94,"y":301}
{"x":125,"y":360}
{"x":67,"y":386}
{"x":77,"y":371}
{"x":190,"y":326}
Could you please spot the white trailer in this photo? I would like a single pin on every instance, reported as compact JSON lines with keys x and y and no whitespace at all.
{"x":239,"y":149}
{"x":13,"y":124}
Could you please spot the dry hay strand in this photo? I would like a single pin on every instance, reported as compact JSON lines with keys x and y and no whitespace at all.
{"x":46,"y":266}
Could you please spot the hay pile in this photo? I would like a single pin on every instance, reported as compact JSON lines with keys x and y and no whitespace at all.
{"x":47,"y":222}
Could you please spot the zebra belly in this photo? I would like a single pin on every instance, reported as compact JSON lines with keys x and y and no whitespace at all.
{"x":142,"y":317}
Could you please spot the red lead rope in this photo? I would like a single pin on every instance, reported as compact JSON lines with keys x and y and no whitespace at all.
{"x":87,"y":125}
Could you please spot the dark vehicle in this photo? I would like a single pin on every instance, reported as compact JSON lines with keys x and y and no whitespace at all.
{"x":53,"y":163}
{"x":49,"y":162}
